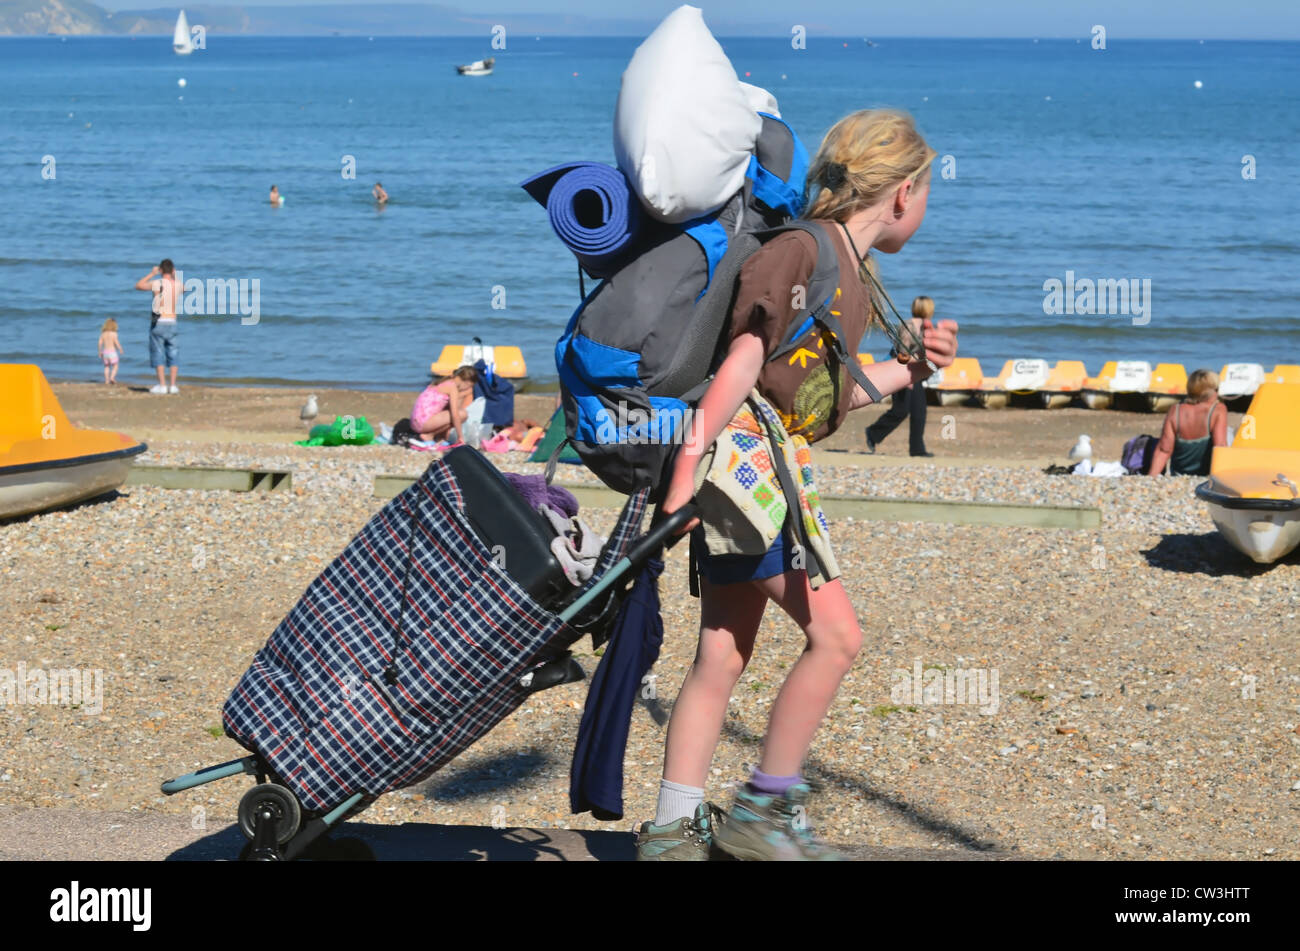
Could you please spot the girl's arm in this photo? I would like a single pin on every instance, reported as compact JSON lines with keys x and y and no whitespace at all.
{"x":891,"y":376}
{"x":722,"y":400}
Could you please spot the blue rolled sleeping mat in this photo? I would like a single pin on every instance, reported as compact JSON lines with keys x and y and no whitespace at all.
{"x":592,"y":209}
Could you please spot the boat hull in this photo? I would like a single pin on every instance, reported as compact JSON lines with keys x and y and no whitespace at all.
{"x":1263,"y":530}
{"x":1096,"y":399}
{"x":26,"y":490}
{"x":1055,"y":400}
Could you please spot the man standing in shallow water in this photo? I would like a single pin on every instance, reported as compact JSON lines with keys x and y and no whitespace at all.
{"x":161,"y":282}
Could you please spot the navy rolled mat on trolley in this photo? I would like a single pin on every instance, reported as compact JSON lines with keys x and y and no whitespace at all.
{"x":592,"y":209}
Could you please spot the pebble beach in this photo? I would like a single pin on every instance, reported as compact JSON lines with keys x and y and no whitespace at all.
{"x":1148,"y":686}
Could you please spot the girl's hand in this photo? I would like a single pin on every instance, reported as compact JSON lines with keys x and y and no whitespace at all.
{"x":681,"y":489}
{"x":940,"y":341}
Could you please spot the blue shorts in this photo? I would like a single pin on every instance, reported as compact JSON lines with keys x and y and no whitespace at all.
{"x":162,"y":342}
{"x":734,"y":569}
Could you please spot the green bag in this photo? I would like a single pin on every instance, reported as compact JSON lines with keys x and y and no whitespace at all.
{"x":344,"y":431}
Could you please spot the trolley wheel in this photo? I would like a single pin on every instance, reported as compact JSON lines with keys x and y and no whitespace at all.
{"x":281,"y":803}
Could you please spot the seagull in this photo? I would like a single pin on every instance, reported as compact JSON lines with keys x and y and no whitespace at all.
{"x":1082,"y":449}
{"x":309,"y":410}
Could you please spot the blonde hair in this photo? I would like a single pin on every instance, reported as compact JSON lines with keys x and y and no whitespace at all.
{"x":923,"y":308}
{"x":864,"y":157}
{"x":109,"y":324}
{"x":1201,"y":383}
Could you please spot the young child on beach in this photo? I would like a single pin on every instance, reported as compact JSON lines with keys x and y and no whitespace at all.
{"x":110,"y":349}
{"x":442,"y":406}
{"x":868,"y":185}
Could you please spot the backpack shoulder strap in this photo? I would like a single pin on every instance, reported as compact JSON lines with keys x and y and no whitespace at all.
{"x":822,"y":285}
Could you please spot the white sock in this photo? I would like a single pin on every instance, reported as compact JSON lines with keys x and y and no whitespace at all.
{"x":676,"y":802}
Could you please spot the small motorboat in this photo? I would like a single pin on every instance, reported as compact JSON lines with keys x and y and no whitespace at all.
{"x":45,"y":461}
{"x":1253,"y":492}
{"x":480,"y":67}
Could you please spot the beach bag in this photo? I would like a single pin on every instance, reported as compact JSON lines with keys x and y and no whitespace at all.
{"x":498,"y":396}
{"x":1136,"y":457}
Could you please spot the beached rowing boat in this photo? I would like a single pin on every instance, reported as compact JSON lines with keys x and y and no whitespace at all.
{"x":45,"y":461}
{"x":1253,"y":492}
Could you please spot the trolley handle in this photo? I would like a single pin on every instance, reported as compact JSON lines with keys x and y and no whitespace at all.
{"x":663,"y":533}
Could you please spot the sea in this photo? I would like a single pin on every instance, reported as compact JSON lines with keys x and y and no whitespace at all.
{"x":1173,"y":166}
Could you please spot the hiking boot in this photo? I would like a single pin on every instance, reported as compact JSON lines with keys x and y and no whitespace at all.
{"x":762,"y":827}
{"x":689,"y":839}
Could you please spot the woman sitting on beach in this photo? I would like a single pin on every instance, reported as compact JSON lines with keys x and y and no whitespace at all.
{"x":1192,"y":429}
{"x":442,"y":406}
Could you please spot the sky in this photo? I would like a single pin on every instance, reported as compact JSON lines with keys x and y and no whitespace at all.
{"x":1197,"y":19}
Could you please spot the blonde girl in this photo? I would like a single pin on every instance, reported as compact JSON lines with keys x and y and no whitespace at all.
{"x":868,"y":183}
{"x":110,"y":350}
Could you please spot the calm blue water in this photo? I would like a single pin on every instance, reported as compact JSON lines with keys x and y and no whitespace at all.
{"x":1126,"y":171}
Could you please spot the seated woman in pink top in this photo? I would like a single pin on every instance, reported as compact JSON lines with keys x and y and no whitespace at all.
{"x":442,"y":406}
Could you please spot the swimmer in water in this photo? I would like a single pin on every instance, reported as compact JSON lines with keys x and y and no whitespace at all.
{"x":276,"y":200}
{"x":381,"y":196}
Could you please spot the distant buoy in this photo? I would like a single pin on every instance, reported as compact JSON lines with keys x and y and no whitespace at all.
{"x":180,"y":98}
{"x":1197,"y":84}
{"x":69,"y":115}
{"x":746,"y":72}
{"x":1047,"y":98}
{"x":925,"y":98}
{"x":783,"y":75}
{"x":181,"y":82}
{"x":575,"y":74}
{"x":846,"y":45}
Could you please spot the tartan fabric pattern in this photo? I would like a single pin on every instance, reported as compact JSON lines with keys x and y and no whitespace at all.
{"x":315,"y":704}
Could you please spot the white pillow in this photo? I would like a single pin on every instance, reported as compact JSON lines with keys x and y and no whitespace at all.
{"x":683,"y":127}
{"x":760,"y":100}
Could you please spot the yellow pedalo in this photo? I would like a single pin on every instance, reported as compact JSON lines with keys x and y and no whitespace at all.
{"x":45,"y":461}
{"x":1253,"y":492}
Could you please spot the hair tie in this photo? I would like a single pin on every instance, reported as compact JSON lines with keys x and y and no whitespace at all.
{"x":834,"y":175}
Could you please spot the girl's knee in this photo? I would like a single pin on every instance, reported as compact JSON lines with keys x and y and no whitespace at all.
{"x":842,"y":640}
{"x":720,"y":664}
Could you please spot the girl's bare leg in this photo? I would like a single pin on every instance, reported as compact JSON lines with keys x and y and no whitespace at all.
{"x":439,"y":424}
{"x":729,"y":619}
{"x":834,"y":639}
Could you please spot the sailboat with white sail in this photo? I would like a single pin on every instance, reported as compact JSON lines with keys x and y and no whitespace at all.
{"x":182,"y":45}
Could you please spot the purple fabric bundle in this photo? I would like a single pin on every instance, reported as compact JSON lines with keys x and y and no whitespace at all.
{"x":536,"y":492}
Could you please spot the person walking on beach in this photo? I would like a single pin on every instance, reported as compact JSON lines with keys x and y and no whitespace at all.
{"x":379,"y":194}
{"x":110,"y":350}
{"x":868,"y":183}
{"x":1192,"y":429}
{"x":161,"y":282}
{"x":908,"y":403}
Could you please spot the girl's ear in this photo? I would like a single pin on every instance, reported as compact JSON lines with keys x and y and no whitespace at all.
{"x":902,"y":198}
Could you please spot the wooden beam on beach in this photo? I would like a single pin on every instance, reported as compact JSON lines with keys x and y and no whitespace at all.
{"x":960,"y":513}
{"x":861,"y":507}
{"x":211,"y":477}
